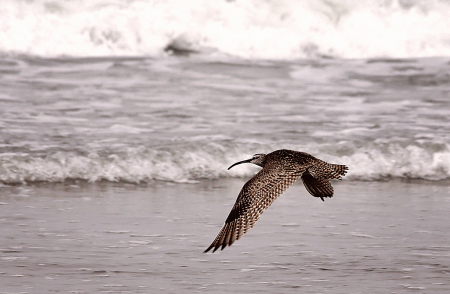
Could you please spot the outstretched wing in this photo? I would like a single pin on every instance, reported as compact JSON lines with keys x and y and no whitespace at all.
{"x":255,"y":197}
{"x":317,"y":187}
{"x":316,"y":178}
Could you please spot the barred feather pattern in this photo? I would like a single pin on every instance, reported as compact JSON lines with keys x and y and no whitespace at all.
{"x":324,"y":170}
{"x":281,"y":169}
{"x":255,"y":197}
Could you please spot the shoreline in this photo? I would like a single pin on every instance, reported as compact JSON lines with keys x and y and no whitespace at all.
{"x":371,"y":237}
{"x":202,"y":181}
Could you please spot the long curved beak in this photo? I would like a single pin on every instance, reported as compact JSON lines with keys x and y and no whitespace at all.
{"x":243,"y":161}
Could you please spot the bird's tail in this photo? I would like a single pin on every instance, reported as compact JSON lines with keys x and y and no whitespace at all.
{"x":329,"y":170}
{"x":339,"y":170}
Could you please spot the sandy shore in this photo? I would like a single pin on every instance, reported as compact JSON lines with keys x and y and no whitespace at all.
{"x":372,"y":237}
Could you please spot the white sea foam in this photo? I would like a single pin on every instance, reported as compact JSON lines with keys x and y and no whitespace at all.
{"x":210,"y":161}
{"x":412,"y":161}
{"x":245,"y":28}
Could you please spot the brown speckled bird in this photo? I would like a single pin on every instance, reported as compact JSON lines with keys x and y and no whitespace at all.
{"x":281,"y":169}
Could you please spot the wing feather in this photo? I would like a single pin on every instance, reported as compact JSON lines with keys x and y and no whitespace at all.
{"x":317,"y":187}
{"x":255,"y":197}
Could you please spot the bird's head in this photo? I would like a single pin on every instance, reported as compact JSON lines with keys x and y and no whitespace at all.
{"x":258,"y":159}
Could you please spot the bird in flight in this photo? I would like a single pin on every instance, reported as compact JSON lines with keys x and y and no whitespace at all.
{"x":280,"y":169}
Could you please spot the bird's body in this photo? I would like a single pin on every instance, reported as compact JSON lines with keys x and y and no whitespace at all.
{"x":281,"y":169}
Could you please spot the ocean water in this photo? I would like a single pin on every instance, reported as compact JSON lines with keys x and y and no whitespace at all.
{"x":184,"y":119}
{"x":139,"y":91}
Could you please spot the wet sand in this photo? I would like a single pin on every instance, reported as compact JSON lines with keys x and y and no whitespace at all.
{"x":372,"y":237}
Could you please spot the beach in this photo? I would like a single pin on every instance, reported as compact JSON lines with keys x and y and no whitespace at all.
{"x":371,"y":237}
{"x":119,"y":119}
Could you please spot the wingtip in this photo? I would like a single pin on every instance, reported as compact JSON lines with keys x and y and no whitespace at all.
{"x":209,"y":248}
{"x":214,"y":247}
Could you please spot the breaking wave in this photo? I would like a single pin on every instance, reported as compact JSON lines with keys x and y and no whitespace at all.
{"x":376,"y":162}
{"x":285,"y":29}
